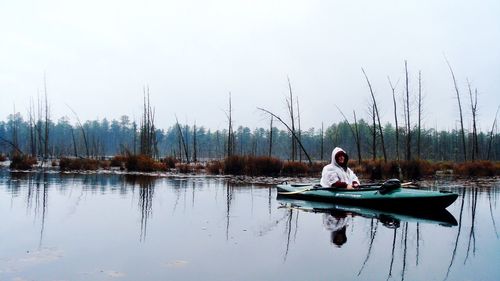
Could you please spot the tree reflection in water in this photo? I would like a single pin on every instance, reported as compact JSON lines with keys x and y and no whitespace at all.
{"x":146,"y":186}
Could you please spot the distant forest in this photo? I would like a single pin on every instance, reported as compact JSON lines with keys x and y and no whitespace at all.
{"x":104,"y":138}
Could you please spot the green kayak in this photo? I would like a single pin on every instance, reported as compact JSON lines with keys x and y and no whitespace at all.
{"x":393,"y":197}
{"x":389,"y":218}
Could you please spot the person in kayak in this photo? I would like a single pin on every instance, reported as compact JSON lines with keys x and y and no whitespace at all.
{"x":337,"y":174}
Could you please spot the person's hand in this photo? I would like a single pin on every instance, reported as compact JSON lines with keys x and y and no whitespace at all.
{"x":349,"y":186}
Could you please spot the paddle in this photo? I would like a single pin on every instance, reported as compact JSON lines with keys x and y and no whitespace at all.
{"x":392,"y":186}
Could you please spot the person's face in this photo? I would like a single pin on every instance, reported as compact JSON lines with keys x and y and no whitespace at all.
{"x":341,"y":159}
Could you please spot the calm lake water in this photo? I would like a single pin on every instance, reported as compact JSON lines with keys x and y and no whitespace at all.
{"x":116,"y":227}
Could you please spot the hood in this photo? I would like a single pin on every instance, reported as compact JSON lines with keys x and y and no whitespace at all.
{"x":335,"y":153}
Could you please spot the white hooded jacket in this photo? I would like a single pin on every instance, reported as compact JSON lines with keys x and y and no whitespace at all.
{"x":333,"y":172}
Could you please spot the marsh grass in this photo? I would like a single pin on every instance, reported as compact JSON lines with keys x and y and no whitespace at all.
{"x":78,"y":164}
{"x":478,"y":169}
{"x":22,"y":162}
{"x":143,"y":163}
{"x":170,"y":162}
{"x":215,"y":167}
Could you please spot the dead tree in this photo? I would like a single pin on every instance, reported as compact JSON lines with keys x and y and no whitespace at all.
{"x":181,"y":141}
{"x":355,"y":132}
{"x":230,"y":134}
{"x":358,"y":142}
{"x":195,"y":158}
{"x":490,"y":141}
{"x":374,"y":134}
{"x":83,"y":131}
{"x":395,"y":117}
{"x":75,"y":151}
{"x":322,"y":142}
{"x":134,"y":128}
{"x":300,"y":131}
{"x":147,"y":131}
{"x":462,"y":132}
{"x":419,"y":131}
{"x":290,"y":130}
{"x":473,"y":105}
{"x":292,"y":120}
{"x":407,"y":116}
{"x":376,"y":113}
{"x":46,"y":130}
{"x":270,"y":152}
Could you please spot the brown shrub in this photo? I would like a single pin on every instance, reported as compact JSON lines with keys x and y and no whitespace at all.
{"x":444,"y":165}
{"x":22,"y":162}
{"x":372,"y":169}
{"x":170,"y":162}
{"x":416,"y":169}
{"x":294,"y":168}
{"x":183,"y":168}
{"x":263,"y":166}
{"x":118,"y":161}
{"x":140,"y":163}
{"x":199,"y":167}
{"x":477,"y":169}
{"x":234,"y":165}
{"x":105,"y":164}
{"x":316,"y":168}
{"x":214,"y":167}
{"x":3,"y":158}
{"x":67,"y":164}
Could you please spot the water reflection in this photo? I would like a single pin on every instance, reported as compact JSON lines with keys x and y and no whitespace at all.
{"x":406,"y":227}
{"x":161,"y":221}
{"x":146,"y":185}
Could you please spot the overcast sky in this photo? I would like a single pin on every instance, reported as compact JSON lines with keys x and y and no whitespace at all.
{"x":98,"y":55}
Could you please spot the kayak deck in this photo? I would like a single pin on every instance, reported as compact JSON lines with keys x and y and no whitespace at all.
{"x":401,"y":198}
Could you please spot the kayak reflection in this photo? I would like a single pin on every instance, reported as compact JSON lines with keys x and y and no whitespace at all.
{"x":341,"y":214}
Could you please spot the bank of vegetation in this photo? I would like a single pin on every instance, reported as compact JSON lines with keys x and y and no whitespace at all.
{"x":402,"y":149}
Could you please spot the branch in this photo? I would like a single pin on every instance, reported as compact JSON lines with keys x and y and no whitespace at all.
{"x":289,"y":129}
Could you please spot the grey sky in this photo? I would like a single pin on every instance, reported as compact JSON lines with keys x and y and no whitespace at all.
{"x":98,"y":55}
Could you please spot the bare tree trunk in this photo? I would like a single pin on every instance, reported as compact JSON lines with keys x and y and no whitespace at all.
{"x":354,"y":133}
{"x":473,"y":104}
{"x":46,"y":139}
{"x":15,"y":126}
{"x":182,"y":140}
{"x":358,"y":142}
{"x":374,"y":135}
{"x":148,"y":145}
{"x":217,"y":144}
{"x":419,"y":132}
{"x":407,"y":116}
{"x":300,"y":131}
{"x":460,"y":110}
{"x":377,"y":115}
{"x":74,"y":142}
{"x":395,"y":117}
{"x":290,"y":130}
{"x":134,"y":127}
{"x":32,"y":129}
{"x":322,"y":142}
{"x":292,"y":119}
{"x":83,"y":132}
{"x":230,"y":137}
{"x":195,"y":159}
{"x":491,"y":134}
{"x":271,"y":138}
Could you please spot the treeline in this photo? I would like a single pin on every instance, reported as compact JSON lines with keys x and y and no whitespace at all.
{"x":190,"y":143}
